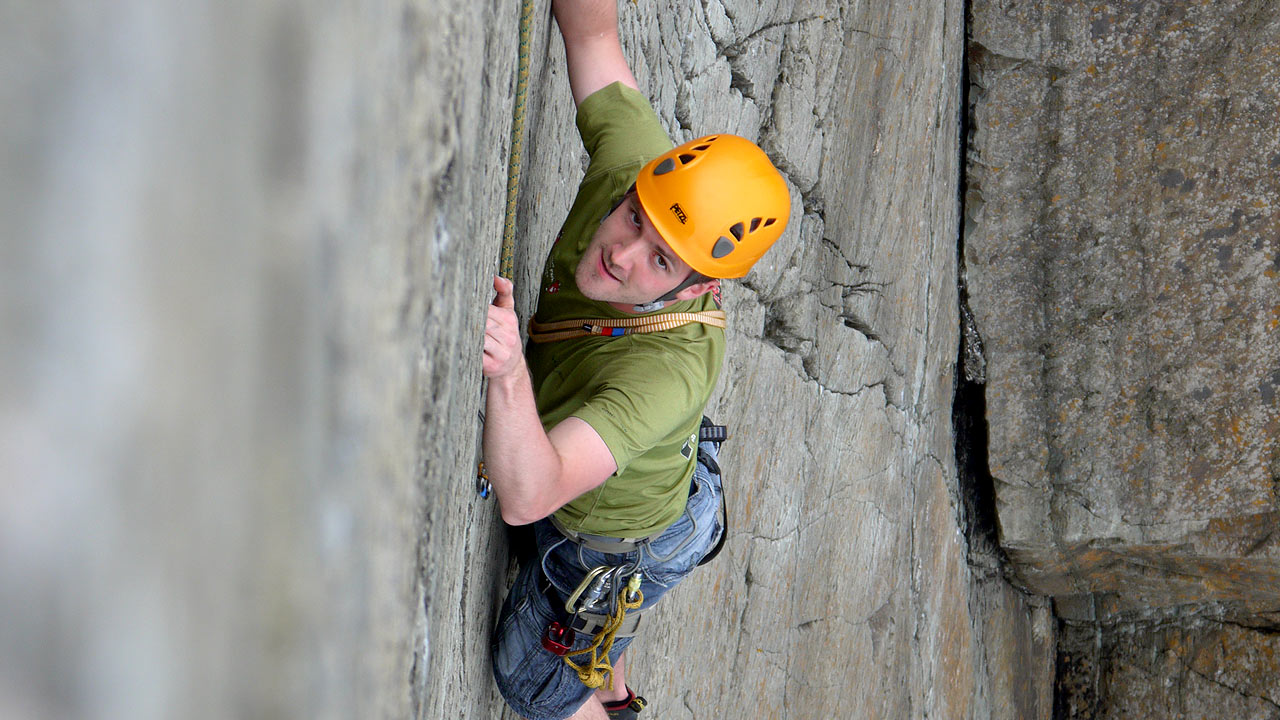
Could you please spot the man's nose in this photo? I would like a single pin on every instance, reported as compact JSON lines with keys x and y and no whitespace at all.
{"x":627,"y":252}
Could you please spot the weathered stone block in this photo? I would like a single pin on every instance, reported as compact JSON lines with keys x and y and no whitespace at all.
{"x":1124,"y":271}
{"x":1168,"y":667}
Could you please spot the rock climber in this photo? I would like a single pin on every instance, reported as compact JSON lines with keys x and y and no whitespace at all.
{"x":596,"y":437}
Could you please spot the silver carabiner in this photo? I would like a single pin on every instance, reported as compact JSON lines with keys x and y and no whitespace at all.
{"x":596,"y":578}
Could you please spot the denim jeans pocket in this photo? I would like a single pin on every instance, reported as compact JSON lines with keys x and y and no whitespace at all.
{"x":520,"y":626}
{"x":535,"y":682}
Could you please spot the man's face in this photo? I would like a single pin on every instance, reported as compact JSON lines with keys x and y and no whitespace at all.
{"x":627,"y":262}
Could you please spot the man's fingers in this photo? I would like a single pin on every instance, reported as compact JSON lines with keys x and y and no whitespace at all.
{"x":503,"y":288}
{"x":500,"y":317}
{"x":502,"y":352}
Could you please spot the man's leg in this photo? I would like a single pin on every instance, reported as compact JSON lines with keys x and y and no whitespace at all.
{"x":590,"y":710}
{"x":619,"y":691}
{"x":533,"y":681}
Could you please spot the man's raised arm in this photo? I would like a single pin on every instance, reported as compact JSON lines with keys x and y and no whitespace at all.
{"x":590,"y":31}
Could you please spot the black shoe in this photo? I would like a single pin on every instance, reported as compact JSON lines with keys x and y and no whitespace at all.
{"x":628,"y":709}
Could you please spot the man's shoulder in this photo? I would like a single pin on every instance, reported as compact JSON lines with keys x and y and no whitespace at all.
{"x":620,"y":131}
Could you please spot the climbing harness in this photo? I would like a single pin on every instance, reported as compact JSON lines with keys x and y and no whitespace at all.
{"x":617,"y":327}
{"x":600,"y":543}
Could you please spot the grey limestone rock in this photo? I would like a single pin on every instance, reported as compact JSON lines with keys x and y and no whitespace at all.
{"x":1121,"y":247}
{"x":1123,"y":268}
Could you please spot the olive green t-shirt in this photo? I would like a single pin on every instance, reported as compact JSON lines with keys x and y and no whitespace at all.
{"x":644,"y":394}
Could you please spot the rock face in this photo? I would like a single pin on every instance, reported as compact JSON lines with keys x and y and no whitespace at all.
{"x":1123,"y":271}
{"x":1206,"y":663}
{"x":1122,"y":265}
{"x":838,"y":385}
{"x":247,"y":252}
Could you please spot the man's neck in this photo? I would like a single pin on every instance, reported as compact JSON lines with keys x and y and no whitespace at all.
{"x":630,"y":309}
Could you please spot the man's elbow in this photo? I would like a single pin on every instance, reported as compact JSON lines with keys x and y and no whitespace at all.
{"x":517,"y":514}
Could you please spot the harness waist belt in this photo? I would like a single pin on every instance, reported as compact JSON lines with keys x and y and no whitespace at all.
{"x":601,"y":543}
{"x":591,"y":623}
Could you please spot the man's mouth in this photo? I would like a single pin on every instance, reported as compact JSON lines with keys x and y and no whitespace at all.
{"x":604,"y":269}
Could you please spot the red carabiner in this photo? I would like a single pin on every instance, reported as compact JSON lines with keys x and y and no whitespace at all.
{"x":559,"y":639}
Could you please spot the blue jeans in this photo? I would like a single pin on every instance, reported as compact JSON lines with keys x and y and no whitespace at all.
{"x":540,"y":685}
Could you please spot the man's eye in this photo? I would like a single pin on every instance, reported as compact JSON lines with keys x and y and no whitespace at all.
{"x":661,"y":261}
{"x":635,"y":218}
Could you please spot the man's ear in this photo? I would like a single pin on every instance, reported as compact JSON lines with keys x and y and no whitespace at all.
{"x":698,"y":289}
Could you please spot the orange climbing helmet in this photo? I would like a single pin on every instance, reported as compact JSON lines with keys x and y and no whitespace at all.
{"x":717,"y":201}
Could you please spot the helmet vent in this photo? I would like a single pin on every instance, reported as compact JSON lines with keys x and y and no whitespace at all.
{"x":665,"y":167}
{"x":686,"y":158}
{"x":723,"y":247}
{"x":770,"y":221}
{"x":737,"y":231}
{"x":702,"y":148}
{"x":755,"y":223}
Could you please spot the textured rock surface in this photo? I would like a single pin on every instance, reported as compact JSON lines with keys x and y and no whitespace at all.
{"x":1194,"y":662}
{"x":246,"y":256}
{"x":244,"y":251}
{"x":1124,"y":272}
{"x":1123,"y":269}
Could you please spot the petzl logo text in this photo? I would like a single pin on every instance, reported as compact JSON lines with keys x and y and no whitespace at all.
{"x":675,"y":208}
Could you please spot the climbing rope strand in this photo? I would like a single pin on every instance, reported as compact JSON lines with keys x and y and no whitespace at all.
{"x":507,"y":256}
{"x":507,"y":261}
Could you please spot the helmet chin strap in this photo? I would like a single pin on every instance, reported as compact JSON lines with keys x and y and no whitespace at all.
{"x":694,"y":278}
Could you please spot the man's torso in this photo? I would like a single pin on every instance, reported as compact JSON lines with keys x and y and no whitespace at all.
{"x":643,"y":394}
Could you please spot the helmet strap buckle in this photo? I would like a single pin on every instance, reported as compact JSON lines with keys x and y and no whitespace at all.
{"x":650,"y":306}
{"x":694,"y":278}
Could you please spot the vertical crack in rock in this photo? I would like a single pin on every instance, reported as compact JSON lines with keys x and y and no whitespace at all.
{"x":969,"y":406}
{"x":977,"y":487}
{"x":1075,"y":688}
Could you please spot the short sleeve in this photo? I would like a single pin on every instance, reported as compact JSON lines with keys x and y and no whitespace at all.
{"x":639,"y":406}
{"x":619,"y":129}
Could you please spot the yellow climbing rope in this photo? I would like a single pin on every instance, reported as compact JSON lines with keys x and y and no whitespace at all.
{"x":507,"y":256}
{"x":507,"y":265}
{"x":599,"y":671}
